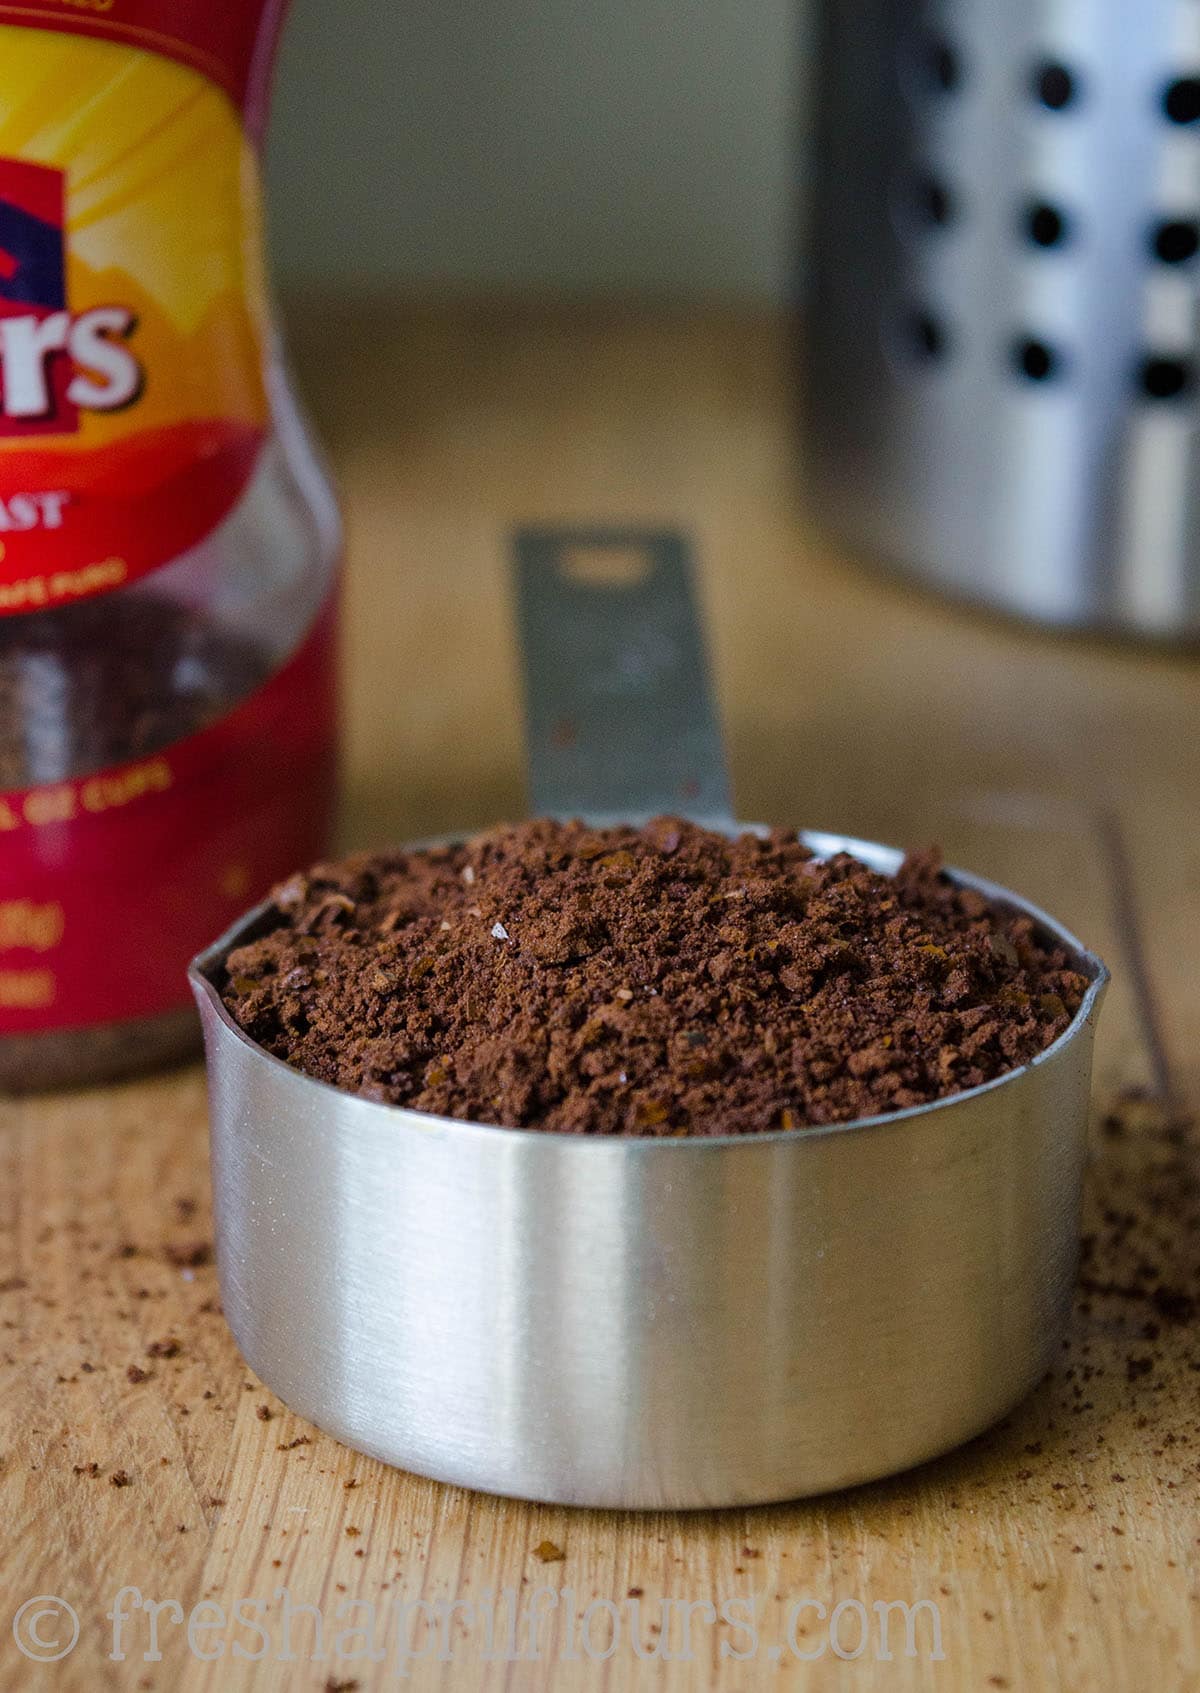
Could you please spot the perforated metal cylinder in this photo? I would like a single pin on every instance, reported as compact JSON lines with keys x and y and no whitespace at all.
{"x":1002,"y":374}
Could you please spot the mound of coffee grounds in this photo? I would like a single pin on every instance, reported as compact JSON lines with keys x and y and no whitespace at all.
{"x":656,"y":981}
{"x":83,"y":688}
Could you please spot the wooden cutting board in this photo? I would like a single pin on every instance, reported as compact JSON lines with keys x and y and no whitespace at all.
{"x":1061,"y":1550}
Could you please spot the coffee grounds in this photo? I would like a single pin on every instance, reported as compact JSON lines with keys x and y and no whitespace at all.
{"x":83,"y":688}
{"x":657,"y":981}
{"x":110,"y":680}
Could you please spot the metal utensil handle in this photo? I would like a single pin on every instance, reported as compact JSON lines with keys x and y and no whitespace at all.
{"x":619,"y":713}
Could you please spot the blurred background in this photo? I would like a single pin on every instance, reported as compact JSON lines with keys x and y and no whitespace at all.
{"x":1001,"y":370}
{"x":541,"y":259}
{"x":539,"y":145}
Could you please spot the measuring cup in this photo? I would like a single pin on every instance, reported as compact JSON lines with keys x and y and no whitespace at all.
{"x":595,"y":1320}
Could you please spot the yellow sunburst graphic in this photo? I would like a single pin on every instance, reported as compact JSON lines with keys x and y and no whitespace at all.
{"x":163,"y":216}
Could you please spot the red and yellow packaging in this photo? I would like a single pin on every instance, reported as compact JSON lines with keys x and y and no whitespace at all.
{"x":132,"y":303}
{"x":134,"y":413}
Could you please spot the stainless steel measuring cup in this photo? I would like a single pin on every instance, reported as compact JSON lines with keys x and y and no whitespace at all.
{"x":622,"y":1322}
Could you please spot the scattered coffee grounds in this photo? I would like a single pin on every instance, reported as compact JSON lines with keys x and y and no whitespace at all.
{"x":85,"y":687}
{"x":656,"y":981}
{"x":188,"y":1255}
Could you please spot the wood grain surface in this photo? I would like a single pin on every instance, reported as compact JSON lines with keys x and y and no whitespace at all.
{"x":1061,"y":1550}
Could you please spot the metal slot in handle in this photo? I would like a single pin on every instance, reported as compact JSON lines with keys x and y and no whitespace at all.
{"x":619,"y":713}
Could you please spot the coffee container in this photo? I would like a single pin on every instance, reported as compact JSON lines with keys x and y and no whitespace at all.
{"x":168,"y":540}
{"x":1001,"y":362}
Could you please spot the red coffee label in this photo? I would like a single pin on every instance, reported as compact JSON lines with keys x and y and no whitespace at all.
{"x":231,"y":42}
{"x":109,"y":883}
{"x":133,"y":310}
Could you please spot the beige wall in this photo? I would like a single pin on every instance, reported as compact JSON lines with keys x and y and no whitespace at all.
{"x":587,"y":145}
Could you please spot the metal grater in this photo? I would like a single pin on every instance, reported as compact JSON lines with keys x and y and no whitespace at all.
{"x":1002,"y":375}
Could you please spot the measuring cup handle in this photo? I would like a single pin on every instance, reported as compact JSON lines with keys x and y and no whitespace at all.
{"x":619,"y":714}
